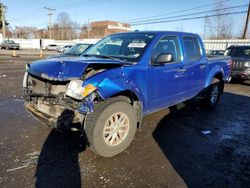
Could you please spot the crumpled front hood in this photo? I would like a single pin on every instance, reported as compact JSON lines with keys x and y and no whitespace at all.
{"x":65,"y":69}
{"x":59,"y":56}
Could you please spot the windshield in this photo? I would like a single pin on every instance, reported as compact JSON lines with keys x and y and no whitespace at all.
{"x":243,"y":52}
{"x":125,"y":46}
{"x":77,"y":49}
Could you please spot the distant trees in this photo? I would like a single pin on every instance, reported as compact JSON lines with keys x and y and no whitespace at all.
{"x":64,"y":28}
{"x":220,"y":27}
{"x":84,"y":32}
{"x":43,"y":33}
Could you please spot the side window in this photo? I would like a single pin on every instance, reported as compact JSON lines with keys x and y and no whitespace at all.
{"x":192,"y":48}
{"x":167,"y":44}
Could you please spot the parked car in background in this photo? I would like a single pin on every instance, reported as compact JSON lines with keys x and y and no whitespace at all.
{"x":107,"y":91}
{"x":51,"y":47}
{"x":240,"y":62}
{"x":10,"y":44}
{"x":75,"y":50}
{"x":63,"y":49}
{"x":215,"y":52}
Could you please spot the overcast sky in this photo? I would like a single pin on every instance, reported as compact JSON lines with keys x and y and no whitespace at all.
{"x":32,"y":12}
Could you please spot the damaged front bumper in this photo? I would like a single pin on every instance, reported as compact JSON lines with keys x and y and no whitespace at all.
{"x":47,"y":102}
{"x":57,"y":117}
{"x":47,"y":119}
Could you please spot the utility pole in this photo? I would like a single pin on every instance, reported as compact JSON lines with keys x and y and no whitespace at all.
{"x":88,"y":28}
{"x":205,"y":28}
{"x":3,"y":20}
{"x":50,"y":13}
{"x":246,"y":24}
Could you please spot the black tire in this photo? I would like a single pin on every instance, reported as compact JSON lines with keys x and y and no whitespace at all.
{"x":213,"y":94}
{"x":95,"y":123}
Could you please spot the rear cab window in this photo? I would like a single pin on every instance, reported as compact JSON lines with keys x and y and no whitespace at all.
{"x":192,"y":49}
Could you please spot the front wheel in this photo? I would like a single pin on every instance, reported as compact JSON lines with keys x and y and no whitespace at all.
{"x":111,"y":127}
{"x":213,"y":95}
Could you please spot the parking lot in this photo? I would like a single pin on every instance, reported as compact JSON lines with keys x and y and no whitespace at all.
{"x":170,"y":149}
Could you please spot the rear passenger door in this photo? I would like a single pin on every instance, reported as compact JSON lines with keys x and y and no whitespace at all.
{"x":195,"y":65}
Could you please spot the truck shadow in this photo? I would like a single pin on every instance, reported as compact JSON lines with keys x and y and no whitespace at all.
{"x":216,"y":159}
{"x":244,"y":83}
{"x":58,"y":164}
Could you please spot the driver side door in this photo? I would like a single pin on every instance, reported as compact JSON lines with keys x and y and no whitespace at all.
{"x":167,"y":81}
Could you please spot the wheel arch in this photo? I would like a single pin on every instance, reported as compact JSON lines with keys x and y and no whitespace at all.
{"x":215,"y":74}
{"x":218,"y":77}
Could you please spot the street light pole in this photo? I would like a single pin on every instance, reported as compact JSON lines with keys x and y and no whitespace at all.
{"x":246,"y":24}
{"x":50,"y":13}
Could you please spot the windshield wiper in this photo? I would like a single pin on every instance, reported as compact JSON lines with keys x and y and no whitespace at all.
{"x":108,"y":57}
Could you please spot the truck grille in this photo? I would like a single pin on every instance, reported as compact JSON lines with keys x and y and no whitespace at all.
{"x":36,"y":85}
{"x":236,"y":64}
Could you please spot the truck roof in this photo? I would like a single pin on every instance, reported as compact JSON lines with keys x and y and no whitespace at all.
{"x":161,"y":32}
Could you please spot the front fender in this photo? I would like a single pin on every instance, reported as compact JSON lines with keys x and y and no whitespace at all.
{"x":217,"y":69}
{"x":111,"y":86}
{"x":112,"y":82}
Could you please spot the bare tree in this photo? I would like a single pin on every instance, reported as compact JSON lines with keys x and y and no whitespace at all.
{"x":220,"y":26}
{"x":64,"y":28}
{"x":84,"y":33}
{"x":42,"y":33}
{"x":8,"y":32}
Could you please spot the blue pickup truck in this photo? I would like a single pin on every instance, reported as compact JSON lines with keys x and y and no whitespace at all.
{"x":107,"y":91}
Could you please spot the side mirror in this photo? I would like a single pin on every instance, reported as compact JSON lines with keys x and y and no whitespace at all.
{"x":164,"y":58}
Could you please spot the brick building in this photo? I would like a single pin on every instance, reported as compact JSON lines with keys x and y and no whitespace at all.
{"x":101,"y":29}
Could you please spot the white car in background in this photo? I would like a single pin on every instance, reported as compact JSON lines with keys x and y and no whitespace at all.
{"x":76,"y":50}
{"x":63,"y":49}
{"x":51,"y":47}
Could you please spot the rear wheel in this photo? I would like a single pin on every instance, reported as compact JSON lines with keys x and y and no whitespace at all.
{"x":213,"y":95}
{"x":111,"y":127}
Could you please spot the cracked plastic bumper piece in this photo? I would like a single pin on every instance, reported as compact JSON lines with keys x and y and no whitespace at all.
{"x":67,"y":119}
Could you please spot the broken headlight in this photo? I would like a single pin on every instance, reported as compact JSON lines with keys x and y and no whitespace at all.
{"x":77,"y":91}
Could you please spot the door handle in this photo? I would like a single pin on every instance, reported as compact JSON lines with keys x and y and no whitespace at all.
{"x":202,"y":66}
{"x":181,"y":70}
